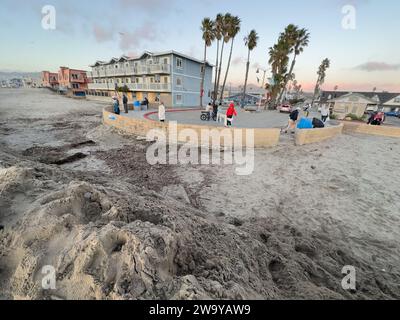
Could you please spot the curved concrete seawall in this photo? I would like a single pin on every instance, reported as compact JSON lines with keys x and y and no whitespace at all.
{"x":307,"y":136}
{"x":385,"y":131}
{"x":262,"y":137}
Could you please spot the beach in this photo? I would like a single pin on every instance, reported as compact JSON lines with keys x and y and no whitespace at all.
{"x":81,"y":197}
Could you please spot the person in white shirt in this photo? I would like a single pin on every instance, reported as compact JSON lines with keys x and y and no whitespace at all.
{"x":161,"y":112}
{"x":324,"y":113}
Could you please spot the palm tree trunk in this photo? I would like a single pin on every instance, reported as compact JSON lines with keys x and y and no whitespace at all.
{"x":227,"y":71}
{"x":246,"y":78}
{"x":220,"y":68}
{"x":287,"y":79}
{"x":315,"y":91}
{"x":216,"y":74}
{"x":203,"y":75}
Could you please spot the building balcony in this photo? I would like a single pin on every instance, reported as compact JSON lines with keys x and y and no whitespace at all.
{"x":156,"y":87}
{"x":101,"y":86}
{"x":132,"y":71}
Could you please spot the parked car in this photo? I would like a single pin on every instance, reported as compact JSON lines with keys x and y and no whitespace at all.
{"x":392,"y":114}
{"x":285,"y":108}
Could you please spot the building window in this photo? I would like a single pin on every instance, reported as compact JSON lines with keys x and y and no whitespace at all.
{"x":179,"y":63}
{"x":165,"y":60}
{"x":165,"y":79}
{"x":179,"y":82}
{"x":179,"y":99}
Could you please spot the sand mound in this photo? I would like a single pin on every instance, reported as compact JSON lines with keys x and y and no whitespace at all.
{"x":115,"y":244}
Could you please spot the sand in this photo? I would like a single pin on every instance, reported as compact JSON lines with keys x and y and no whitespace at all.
{"x":81,"y":198}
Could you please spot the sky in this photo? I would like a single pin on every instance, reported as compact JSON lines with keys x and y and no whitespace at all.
{"x":363,"y":57}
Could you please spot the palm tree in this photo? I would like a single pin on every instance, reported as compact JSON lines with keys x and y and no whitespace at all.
{"x":298,"y":39}
{"x":321,"y":77}
{"x":225,"y":39}
{"x":279,"y":59}
{"x":251,"y":42}
{"x":234,"y":29}
{"x":218,"y":35}
{"x":207,"y":27}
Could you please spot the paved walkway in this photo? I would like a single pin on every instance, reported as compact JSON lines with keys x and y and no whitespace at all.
{"x":265,"y":119}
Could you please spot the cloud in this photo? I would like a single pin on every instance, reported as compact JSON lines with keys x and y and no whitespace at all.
{"x":238,"y":61}
{"x":256,"y":65}
{"x":149,"y":6}
{"x":146,"y":32}
{"x":377,"y":66}
{"x":103,"y":34}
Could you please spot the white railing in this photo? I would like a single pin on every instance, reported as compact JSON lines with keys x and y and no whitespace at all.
{"x":101,"y":86}
{"x":149,"y":86}
{"x":130,"y":71}
{"x":163,"y":87}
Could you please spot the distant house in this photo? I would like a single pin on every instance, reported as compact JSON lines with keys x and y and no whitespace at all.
{"x":351,"y":103}
{"x":249,"y":99}
{"x":171,"y":77}
{"x":50,"y":80}
{"x":380,"y":100}
{"x":392,"y":105}
{"x":72,"y":80}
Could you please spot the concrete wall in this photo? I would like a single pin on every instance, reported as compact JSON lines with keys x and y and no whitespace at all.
{"x":386,"y":131}
{"x":307,"y":136}
{"x":262,"y":137}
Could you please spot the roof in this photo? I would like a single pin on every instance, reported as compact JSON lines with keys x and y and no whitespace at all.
{"x":382,"y":96}
{"x":151,"y":54}
{"x":372,"y":101}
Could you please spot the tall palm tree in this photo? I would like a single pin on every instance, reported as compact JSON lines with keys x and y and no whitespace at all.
{"x":207,"y":27}
{"x":321,"y":77}
{"x":218,"y":36}
{"x":226,"y":19}
{"x":233,"y":30}
{"x":298,"y":39}
{"x":250,"y":41}
{"x":279,"y":60}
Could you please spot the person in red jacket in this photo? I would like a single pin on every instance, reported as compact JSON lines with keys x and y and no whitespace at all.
{"x":229,"y":114}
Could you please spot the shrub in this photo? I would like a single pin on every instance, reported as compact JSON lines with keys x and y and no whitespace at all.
{"x":354,"y":117}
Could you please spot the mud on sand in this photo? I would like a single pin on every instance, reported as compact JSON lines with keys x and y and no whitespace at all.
{"x":115,"y":228}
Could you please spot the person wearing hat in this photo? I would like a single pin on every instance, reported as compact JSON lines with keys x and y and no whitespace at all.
{"x":230,"y":113}
{"x":293,"y":118}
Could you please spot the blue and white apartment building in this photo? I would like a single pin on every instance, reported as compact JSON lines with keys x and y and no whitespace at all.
{"x":170,"y":77}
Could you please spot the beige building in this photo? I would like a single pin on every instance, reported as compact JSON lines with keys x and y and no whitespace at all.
{"x":351,"y":103}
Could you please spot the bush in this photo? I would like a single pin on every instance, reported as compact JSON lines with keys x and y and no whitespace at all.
{"x":333,"y":117}
{"x":354,"y":117}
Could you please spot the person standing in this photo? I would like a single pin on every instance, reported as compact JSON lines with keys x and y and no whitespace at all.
{"x":116,"y":105}
{"x":220,"y":114}
{"x":209,"y":109}
{"x":324,"y":113}
{"x":146,"y":103}
{"x":125,"y":102}
{"x":161,"y":112}
{"x":230,"y":113}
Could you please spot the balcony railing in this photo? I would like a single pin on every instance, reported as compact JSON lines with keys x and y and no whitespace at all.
{"x":131,"y":71}
{"x":161,"y":87}
{"x":101,"y":86}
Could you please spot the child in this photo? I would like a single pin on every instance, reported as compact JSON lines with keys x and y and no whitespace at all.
{"x":230,"y":113}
